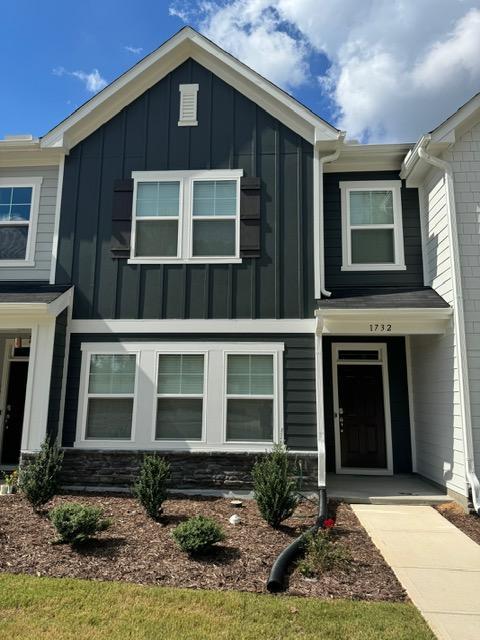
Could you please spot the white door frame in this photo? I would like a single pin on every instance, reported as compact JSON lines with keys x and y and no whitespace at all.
{"x":381,"y":347}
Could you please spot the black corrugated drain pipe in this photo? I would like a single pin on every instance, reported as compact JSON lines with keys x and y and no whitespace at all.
{"x":277,"y":578}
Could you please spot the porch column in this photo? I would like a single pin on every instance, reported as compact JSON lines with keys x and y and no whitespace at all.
{"x":38,"y":384}
{"x":320,"y":409}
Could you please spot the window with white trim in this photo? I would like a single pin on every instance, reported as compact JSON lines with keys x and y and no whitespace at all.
{"x":372,"y":230}
{"x":19,"y":199}
{"x":192,"y":395}
{"x":186,"y":216}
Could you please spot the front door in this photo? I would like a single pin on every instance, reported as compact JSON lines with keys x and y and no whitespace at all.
{"x":14,"y":408}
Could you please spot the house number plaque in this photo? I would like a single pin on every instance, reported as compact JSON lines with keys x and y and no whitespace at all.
{"x":380,"y":327}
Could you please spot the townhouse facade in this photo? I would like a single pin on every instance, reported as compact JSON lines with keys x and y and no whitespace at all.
{"x":228,"y":273}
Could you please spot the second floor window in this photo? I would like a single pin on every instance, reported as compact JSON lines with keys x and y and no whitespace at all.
{"x":18,"y":209}
{"x":186,"y":216}
{"x":372,"y":231}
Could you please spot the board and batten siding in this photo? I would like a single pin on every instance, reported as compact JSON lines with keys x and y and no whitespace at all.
{"x":436,"y":396}
{"x":45,"y":225}
{"x":335,"y":278}
{"x":232,"y":132}
{"x":299,"y":403}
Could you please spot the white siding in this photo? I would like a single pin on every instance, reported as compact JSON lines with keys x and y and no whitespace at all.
{"x":45,"y":226}
{"x":436,"y":397}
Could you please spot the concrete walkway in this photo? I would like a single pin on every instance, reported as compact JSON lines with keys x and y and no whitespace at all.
{"x":438,"y":565}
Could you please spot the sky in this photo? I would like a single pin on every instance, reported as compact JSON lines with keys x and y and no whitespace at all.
{"x":383,"y":70}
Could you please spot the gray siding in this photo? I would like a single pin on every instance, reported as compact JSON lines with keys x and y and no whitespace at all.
{"x":298,"y":379}
{"x":334,"y":277}
{"x":232,"y":132}
{"x":45,"y":226}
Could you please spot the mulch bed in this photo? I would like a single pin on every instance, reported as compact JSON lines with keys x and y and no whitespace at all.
{"x":466,"y":522}
{"x":137,"y":549}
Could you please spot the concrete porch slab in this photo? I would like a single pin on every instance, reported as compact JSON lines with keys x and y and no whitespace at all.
{"x":396,"y":489}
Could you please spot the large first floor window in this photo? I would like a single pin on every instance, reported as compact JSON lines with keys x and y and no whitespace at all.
{"x":181,"y":395}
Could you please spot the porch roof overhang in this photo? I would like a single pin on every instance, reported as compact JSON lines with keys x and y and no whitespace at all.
{"x":33,"y":300}
{"x":384,"y":313}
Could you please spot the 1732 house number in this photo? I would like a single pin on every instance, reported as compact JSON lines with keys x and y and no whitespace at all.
{"x":377,"y":327}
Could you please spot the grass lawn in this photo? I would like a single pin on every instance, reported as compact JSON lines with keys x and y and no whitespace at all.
{"x":60,"y":608}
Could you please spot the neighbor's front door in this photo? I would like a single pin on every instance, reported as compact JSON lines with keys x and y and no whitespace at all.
{"x":14,"y":408}
{"x":361,"y":416}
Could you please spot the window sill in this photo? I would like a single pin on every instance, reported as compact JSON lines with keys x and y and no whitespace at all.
{"x":130,"y":445}
{"x":184,"y":261}
{"x":374,"y":267}
{"x":17,"y":263}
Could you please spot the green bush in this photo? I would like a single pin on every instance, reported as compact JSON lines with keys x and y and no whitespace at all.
{"x":38,"y":479}
{"x":75,"y":522}
{"x":323,"y":554}
{"x":275,"y":488}
{"x":151,"y":486}
{"x":198,"y":534}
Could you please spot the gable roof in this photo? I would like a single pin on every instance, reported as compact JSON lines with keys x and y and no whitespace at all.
{"x":454,"y":125}
{"x":188,"y":43}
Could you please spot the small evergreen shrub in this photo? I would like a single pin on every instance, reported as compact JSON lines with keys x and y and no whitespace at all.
{"x":323,"y":554}
{"x":198,"y":534}
{"x":151,"y":486}
{"x":275,"y":489}
{"x":38,"y":480}
{"x":76,"y":522}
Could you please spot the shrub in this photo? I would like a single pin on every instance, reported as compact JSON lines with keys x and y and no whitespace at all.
{"x":323,"y":554}
{"x":275,"y":489}
{"x":198,"y":534}
{"x":38,"y":480}
{"x":151,"y":486}
{"x":75,"y":522}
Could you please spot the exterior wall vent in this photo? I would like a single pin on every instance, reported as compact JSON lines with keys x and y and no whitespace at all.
{"x":188,"y":105}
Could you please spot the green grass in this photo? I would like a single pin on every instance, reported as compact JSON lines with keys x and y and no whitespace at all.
{"x":41,"y":608}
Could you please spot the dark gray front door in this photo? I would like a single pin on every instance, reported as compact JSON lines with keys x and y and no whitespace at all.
{"x":14,"y":409}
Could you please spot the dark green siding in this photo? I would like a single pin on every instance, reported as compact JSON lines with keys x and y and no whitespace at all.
{"x":56,"y":378}
{"x":337,"y":279}
{"x":232,"y":132}
{"x":398,"y":388}
{"x":298,"y":379}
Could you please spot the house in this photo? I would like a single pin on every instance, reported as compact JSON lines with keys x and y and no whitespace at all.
{"x":242,"y":276}
{"x":445,"y":167}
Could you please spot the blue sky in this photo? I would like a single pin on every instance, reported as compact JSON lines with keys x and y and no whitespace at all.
{"x":382,"y":70}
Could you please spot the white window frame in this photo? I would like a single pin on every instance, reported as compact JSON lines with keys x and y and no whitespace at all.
{"x":185,"y":218}
{"x":35,"y":183}
{"x":398,"y":244}
{"x":214,"y":398}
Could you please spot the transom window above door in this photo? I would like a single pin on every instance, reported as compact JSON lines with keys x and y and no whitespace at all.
{"x":372,"y":230}
{"x":186,"y":216}
{"x":19,"y":199}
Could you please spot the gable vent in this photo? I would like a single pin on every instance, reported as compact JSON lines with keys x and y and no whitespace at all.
{"x":188,"y":105}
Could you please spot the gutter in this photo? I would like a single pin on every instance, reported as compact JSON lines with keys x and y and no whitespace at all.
{"x":458,"y":318}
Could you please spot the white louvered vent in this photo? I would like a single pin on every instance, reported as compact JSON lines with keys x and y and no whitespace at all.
{"x":188,"y":105}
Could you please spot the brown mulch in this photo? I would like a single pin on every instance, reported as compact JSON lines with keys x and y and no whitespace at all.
{"x":466,"y":522}
{"x":137,"y":549}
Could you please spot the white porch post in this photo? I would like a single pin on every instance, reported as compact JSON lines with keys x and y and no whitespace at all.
{"x":321,"y":450}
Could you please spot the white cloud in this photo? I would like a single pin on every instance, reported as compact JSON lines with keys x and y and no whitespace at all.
{"x":135,"y":50}
{"x":93,"y":81}
{"x":398,"y":68}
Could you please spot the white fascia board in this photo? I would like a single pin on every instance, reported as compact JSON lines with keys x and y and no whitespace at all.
{"x":187,"y":43}
{"x":194,"y":326}
{"x":369,"y":157}
{"x":442,"y":312}
{"x":36,"y":309}
{"x":29,"y":156}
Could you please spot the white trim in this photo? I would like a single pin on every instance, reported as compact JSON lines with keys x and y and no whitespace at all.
{"x":320,"y":401}
{"x":411,"y":405}
{"x":381,"y":347}
{"x":188,"y":90}
{"x":213,"y":326}
{"x":56,"y":228}
{"x":185,"y":219}
{"x":372,"y":185}
{"x":35,"y":183}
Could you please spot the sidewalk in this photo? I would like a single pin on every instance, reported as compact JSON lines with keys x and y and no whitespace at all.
{"x":438,"y":565}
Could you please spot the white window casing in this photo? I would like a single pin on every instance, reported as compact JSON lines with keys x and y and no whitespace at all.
{"x":35,"y":184}
{"x":214,"y":415}
{"x":396,"y":226}
{"x":188,"y":105}
{"x":186,"y":218}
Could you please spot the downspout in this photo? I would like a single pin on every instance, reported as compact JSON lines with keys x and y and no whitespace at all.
{"x":459,"y":321}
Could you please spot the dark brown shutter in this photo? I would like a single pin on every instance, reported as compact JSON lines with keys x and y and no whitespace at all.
{"x":122,"y":218}
{"x":250,"y":218}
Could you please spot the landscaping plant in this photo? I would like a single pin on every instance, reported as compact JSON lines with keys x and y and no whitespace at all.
{"x":275,"y":487}
{"x":198,"y":534}
{"x":11,"y":479}
{"x":151,"y":486}
{"x":76,"y":522}
{"x":322,"y":553}
{"x":38,"y":479}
